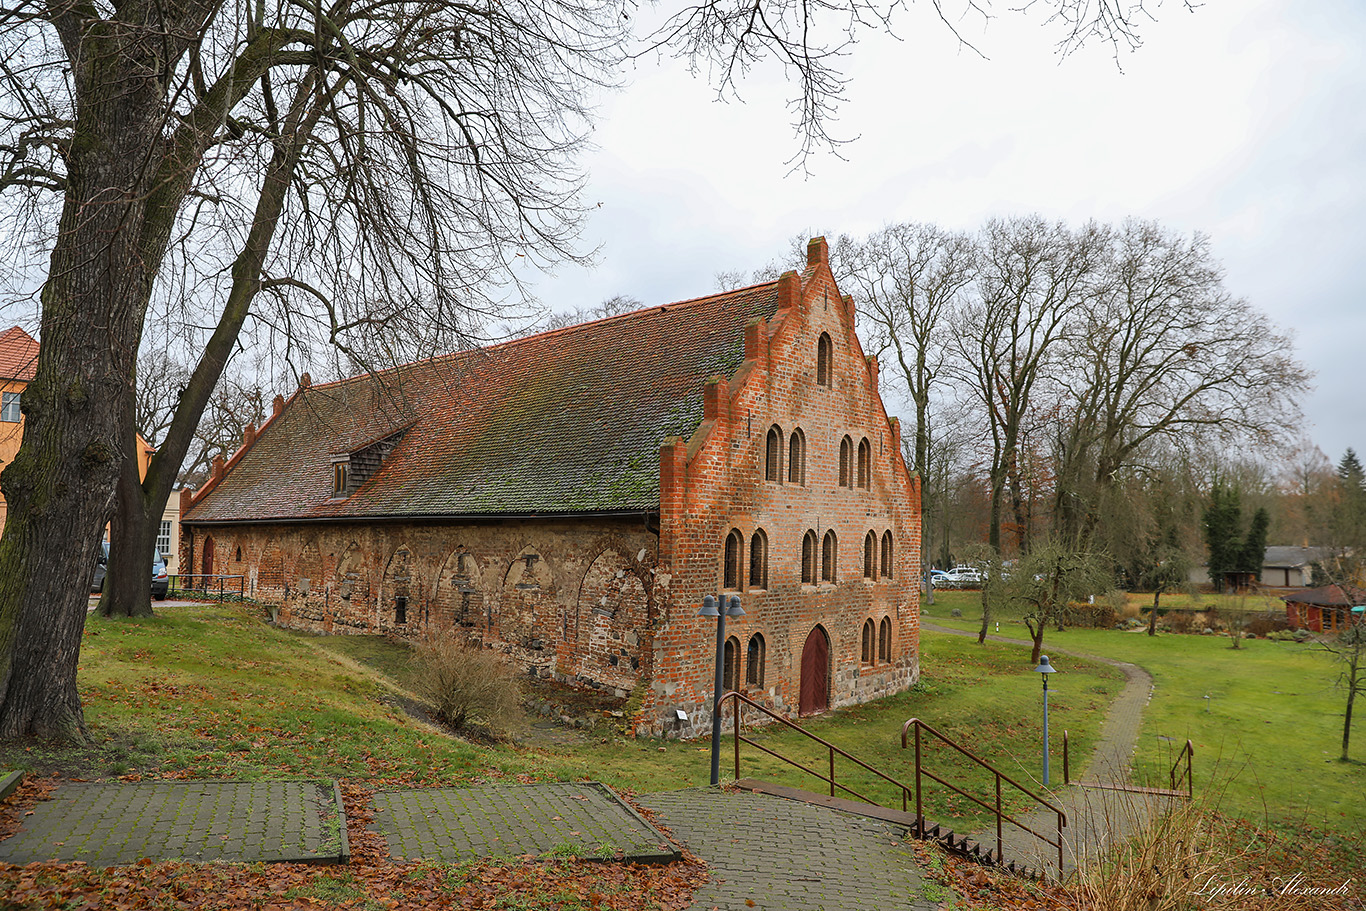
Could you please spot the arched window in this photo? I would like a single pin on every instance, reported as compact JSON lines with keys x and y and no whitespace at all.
{"x":829,"y":553}
{"x":870,"y":556}
{"x":758,"y":560}
{"x":865,"y":464}
{"x":824,"y":349}
{"x":867,"y":657}
{"x":887,"y":554}
{"x":846,"y":462}
{"x":730,"y":570}
{"x":730,"y":678}
{"x":884,"y":639}
{"x":754,"y":660}
{"x":796,"y":457}
{"x":809,"y":558}
{"x":773,"y":455}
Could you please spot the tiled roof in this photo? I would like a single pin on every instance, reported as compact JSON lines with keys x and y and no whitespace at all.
{"x":1327,"y":596}
{"x":564,"y":422}
{"x":18,"y":355}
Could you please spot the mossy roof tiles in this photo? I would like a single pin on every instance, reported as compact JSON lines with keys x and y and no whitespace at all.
{"x":563,"y":422}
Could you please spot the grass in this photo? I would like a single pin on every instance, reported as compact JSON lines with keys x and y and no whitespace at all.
{"x":210,"y":690}
{"x":1271,"y":727}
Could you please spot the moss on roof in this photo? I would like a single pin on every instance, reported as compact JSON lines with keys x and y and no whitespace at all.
{"x":564,"y":422}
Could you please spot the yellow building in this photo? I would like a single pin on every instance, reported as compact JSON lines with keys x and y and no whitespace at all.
{"x":18,"y":362}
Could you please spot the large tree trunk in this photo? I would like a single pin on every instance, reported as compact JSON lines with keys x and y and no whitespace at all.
{"x":60,"y":487}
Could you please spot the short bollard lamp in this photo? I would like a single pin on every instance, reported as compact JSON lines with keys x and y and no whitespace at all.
{"x":710,"y":608}
{"x":1045,"y":669}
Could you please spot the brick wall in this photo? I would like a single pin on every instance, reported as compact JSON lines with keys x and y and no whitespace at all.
{"x":718,"y":482}
{"x":559,"y":597}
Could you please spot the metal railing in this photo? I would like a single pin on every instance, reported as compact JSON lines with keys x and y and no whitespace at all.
{"x":1001,"y":815}
{"x":1187,"y":754}
{"x":224,"y":587}
{"x":832,"y":751}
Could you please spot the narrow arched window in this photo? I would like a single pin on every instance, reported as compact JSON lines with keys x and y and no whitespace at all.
{"x":730,"y":679}
{"x":754,"y":660}
{"x":730,"y":572}
{"x":887,"y":554}
{"x":870,"y":556}
{"x":846,"y":462}
{"x":865,"y":464}
{"x":809,"y":558}
{"x":796,"y":457}
{"x":824,"y":351}
{"x":773,"y":454}
{"x":884,"y":640}
{"x":867,"y":657}
{"x":758,"y":560}
{"x":829,"y":554}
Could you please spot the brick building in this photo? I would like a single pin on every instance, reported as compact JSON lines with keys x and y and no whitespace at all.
{"x":571,"y":497}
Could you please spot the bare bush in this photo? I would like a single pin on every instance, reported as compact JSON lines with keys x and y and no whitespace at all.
{"x":1196,"y":858}
{"x":467,"y":685}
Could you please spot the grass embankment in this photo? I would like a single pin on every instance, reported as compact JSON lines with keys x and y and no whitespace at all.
{"x":1269,"y":734}
{"x":212,"y":691}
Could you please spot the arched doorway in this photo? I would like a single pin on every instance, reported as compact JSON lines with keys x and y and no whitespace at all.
{"x":815,"y":680}
{"x":206,"y":564}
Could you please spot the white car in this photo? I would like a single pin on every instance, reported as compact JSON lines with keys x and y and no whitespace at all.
{"x":961,"y":577}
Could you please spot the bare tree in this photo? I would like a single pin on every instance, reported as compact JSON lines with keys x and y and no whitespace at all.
{"x":358,"y":174}
{"x":1348,"y":647}
{"x":1032,"y":280}
{"x":907,"y":280}
{"x":1164,"y":353}
{"x":1042,"y":583}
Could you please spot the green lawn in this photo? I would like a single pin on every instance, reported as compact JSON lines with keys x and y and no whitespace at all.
{"x":213,"y":691}
{"x":1269,"y":734}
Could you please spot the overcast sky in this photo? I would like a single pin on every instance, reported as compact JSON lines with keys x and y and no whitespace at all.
{"x":1245,"y":120}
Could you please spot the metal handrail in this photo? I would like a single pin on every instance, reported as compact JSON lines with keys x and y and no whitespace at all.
{"x":832,"y":750}
{"x":1001,"y":816}
{"x":1187,"y":753}
{"x":205,"y":584}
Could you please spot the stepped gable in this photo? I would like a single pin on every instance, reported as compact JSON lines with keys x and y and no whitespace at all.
{"x":18,"y":355}
{"x":566,"y":422}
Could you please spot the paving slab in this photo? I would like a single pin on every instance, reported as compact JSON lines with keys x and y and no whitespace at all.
{"x":771,"y":853}
{"x":581,"y":819}
{"x":110,"y":823}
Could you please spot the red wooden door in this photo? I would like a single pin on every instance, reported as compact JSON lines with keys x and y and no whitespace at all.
{"x":207,"y":562}
{"x":815,"y":682}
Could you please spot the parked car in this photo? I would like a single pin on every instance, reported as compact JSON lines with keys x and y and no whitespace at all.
{"x":960,"y":577}
{"x":160,"y":581}
{"x":938,"y":579}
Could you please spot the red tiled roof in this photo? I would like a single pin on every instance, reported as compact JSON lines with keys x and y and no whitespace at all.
{"x":18,"y":355}
{"x":564,"y":422}
{"x":1327,"y":596}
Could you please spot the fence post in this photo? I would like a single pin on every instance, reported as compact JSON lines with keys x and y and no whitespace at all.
{"x":919,"y":806}
{"x":1000,"y":854}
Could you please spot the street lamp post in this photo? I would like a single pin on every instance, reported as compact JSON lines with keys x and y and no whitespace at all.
{"x":709,"y":609}
{"x":1045,"y":669}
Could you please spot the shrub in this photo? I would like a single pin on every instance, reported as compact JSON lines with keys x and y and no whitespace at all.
{"x":1180,"y":621}
{"x":1264,"y":624}
{"x":1100,"y":615}
{"x":466,"y":684}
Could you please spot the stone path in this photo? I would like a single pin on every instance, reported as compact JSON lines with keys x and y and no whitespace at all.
{"x":105,"y":824}
{"x":771,"y":853}
{"x":459,"y":824}
{"x":1097,"y":818}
